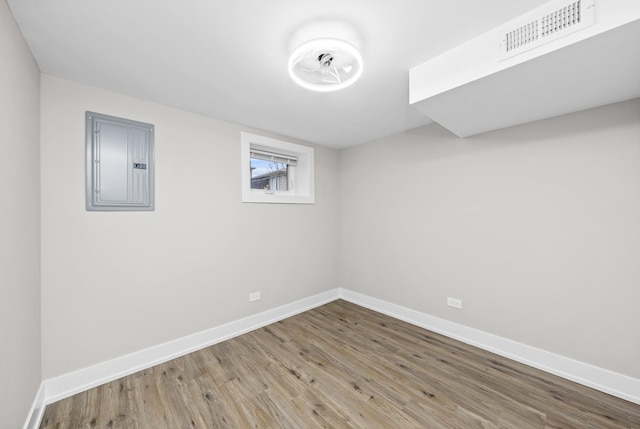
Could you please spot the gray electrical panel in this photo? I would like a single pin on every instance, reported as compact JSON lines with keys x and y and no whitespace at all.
{"x":119,"y":164}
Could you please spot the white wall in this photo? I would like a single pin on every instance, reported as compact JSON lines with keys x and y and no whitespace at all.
{"x":536,"y":228}
{"x":19,"y":224}
{"x":115,"y":283}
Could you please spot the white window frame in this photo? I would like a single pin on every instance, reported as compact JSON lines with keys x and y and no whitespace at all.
{"x":301,"y":177}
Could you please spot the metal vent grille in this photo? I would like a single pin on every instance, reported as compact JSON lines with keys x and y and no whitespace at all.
{"x":553,"y":21}
{"x":561,"y":19}
{"x":522,"y":36}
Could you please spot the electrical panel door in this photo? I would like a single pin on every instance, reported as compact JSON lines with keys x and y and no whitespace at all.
{"x":120,"y":170}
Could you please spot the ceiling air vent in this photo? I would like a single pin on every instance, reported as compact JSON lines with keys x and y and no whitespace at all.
{"x":551,"y":22}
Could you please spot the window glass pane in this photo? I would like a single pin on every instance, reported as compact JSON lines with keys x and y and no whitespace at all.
{"x":269,"y":175}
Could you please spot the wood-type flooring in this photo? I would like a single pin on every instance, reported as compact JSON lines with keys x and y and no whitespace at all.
{"x":341,"y":366}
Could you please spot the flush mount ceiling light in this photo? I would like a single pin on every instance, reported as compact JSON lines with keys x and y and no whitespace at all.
{"x":325,"y":65}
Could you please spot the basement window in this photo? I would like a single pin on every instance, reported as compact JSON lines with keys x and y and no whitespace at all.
{"x":271,"y":171}
{"x":275,"y":171}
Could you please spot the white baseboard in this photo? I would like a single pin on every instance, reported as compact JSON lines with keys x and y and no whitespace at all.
{"x":86,"y":378}
{"x":66,"y":385}
{"x":37,"y":409}
{"x":610,"y":382}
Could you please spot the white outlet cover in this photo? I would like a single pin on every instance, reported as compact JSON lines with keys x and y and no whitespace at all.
{"x":454,"y":302}
{"x":255,"y":296}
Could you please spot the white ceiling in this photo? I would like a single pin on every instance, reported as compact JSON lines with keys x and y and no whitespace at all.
{"x":228,"y":59}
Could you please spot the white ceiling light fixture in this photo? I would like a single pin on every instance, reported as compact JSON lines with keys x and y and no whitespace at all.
{"x":325,"y":65}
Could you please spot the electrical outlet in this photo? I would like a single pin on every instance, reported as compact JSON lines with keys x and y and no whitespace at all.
{"x":255,"y":296}
{"x":454,"y":302}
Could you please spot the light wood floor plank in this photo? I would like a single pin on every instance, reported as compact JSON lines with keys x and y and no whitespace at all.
{"x":341,"y":366}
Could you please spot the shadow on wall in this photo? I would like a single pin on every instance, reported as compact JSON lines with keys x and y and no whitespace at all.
{"x":588,"y":122}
